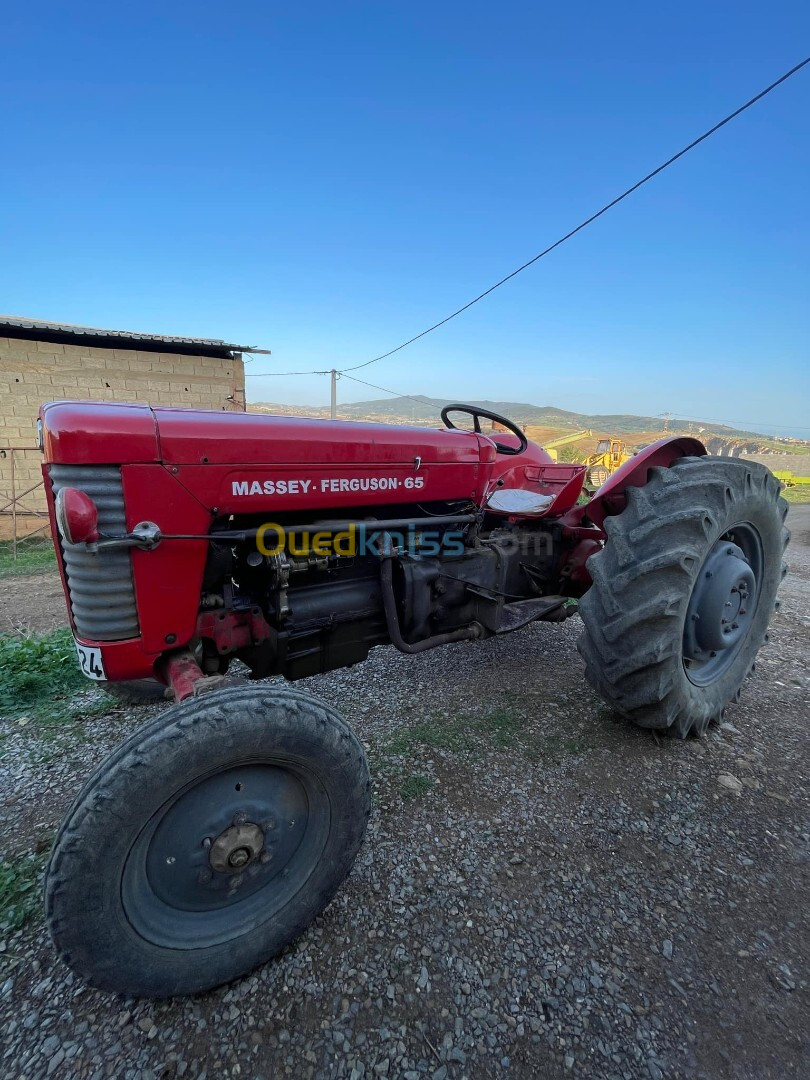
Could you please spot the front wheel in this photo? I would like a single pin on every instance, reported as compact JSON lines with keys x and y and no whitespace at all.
{"x":207,"y":842}
{"x":683,"y":591}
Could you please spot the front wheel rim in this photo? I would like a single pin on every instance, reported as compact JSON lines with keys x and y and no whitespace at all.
{"x":225,"y":853}
{"x":723,"y":604}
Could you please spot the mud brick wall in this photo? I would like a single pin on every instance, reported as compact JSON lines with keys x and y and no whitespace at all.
{"x":33,"y":372}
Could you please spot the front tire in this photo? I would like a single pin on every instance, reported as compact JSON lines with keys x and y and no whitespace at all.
{"x":683,"y":592}
{"x":206,"y":842}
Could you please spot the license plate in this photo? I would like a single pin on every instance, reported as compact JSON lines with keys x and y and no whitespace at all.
{"x":90,"y":662}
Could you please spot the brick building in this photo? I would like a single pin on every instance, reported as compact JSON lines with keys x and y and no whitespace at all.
{"x":43,"y":361}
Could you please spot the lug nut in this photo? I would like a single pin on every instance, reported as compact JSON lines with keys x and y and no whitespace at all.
{"x":239,"y":857}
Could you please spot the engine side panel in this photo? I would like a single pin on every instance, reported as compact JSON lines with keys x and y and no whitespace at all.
{"x":168,"y":580}
{"x":279,"y":490}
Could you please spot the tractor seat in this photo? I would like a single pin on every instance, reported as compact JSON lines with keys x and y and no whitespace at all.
{"x":519,"y":501}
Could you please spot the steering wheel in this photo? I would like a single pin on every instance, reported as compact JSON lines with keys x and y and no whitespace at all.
{"x":476,"y":415}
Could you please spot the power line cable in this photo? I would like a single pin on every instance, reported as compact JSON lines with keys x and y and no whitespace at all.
{"x":276,"y":374}
{"x":592,"y":218}
{"x":394,"y":393}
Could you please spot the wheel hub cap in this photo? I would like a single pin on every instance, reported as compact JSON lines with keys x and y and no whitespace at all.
{"x":230,"y":849}
{"x":236,"y":847}
{"x":722,"y":605}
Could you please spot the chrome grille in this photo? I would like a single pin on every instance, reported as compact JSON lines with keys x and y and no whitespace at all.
{"x":102,"y":594}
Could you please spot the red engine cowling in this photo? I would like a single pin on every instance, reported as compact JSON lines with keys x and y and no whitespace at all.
{"x":184,"y":468}
{"x":187,"y":470}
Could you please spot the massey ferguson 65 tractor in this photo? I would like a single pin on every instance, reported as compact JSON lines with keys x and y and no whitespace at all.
{"x":216,"y":833}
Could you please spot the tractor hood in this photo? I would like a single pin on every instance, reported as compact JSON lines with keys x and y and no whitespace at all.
{"x":91,"y":433}
{"x":191,"y":437}
{"x":107,"y":433}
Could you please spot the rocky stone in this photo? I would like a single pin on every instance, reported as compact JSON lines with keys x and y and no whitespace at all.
{"x":729,"y":781}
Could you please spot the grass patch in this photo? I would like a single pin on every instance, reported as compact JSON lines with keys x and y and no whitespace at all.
{"x":552,"y":748}
{"x":798,"y":494}
{"x":19,"y":890}
{"x":500,"y":726}
{"x":438,"y":734}
{"x":503,"y":727}
{"x":415,"y":786}
{"x":39,"y":675}
{"x":33,"y":557}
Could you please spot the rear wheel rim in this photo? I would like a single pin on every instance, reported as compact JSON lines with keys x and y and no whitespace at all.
{"x":225,"y":853}
{"x":723,"y":604}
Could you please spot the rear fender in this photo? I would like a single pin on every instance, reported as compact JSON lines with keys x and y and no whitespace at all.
{"x":611,"y":498}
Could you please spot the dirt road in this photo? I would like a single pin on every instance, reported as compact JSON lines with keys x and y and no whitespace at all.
{"x":544,"y":892}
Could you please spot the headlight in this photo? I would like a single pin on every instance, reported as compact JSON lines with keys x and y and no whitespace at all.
{"x":76,"y":516}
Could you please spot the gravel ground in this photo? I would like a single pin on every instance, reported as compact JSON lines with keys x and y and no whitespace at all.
{"x":560,"y":895}
{"x":32,"y":603}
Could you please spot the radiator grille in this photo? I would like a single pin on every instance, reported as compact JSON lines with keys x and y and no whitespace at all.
{"x":102,"y":595}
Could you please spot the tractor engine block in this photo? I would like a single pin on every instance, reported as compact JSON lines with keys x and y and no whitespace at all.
{"x":326,"y":610}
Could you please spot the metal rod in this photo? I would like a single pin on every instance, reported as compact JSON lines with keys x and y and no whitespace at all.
{"x":132,"y":539}
{"x":333,"y":399}
{"x":321,"y":526}
{"x":13,"y":506}
{"x":342,"y":526}
{"x":22,"y":495}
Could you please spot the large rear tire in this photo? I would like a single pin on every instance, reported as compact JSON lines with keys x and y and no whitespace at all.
{"x":683,"y":592}
{"x":207,"y":842}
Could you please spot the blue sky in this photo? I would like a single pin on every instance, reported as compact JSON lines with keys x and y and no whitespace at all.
{"x":326,"y":180}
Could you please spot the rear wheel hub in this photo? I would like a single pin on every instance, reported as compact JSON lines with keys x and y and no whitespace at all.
{"x":722,"y":605}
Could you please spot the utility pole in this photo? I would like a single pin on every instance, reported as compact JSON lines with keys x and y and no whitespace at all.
{"x":333,"y":402}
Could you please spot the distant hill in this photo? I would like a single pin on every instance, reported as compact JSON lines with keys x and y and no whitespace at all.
{"x":544,"y":422}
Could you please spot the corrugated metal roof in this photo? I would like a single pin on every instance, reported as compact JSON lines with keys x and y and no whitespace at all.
{"x":19,"y":322}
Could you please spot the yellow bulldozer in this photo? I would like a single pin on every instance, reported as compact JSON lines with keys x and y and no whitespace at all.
{"x":610,"y":454}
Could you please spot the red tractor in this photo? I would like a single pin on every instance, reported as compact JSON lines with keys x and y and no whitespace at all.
{"x":186,"y":540}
